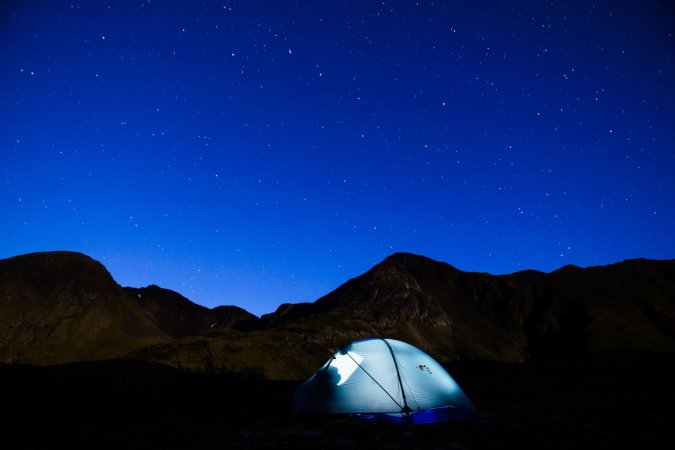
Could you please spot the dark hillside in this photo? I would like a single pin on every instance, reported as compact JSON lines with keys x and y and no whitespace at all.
{"x":62,"y":307}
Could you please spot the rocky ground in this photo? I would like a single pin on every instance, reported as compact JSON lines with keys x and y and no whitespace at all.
{"x":601,"y":402}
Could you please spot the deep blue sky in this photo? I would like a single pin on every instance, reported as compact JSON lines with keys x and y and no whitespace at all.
{"x":255,"y":153}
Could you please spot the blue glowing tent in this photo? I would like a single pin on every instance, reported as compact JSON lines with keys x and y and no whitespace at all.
{"x":383,"y":379}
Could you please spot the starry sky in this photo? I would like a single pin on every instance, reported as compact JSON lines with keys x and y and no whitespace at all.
{"x":261,"y":152}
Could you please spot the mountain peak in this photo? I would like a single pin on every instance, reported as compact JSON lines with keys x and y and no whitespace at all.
{"x":411,"y":263}
{"x":58,"y":307}
{"x":403,"y":257}
{"x":45,"y":271}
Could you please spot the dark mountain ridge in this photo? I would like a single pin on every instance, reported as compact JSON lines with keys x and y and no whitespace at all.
{"x":628,"y":305}
{"x":180,"y":317}
{"x":58,"y":307}
{"x":62,"y":307}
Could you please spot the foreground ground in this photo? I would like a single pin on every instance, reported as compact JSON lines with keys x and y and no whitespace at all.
{"x":601,"y":402}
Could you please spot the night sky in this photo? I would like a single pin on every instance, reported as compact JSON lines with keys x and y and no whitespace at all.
{"x":255,"y":153}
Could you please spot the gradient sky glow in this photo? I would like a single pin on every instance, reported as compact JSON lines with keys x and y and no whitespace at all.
{"x":255,"y":153}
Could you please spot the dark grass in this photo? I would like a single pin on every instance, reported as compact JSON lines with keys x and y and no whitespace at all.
{"x":613,"y":401}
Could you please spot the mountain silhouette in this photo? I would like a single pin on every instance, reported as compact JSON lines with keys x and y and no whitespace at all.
{"x":624,"y":306}
{"x":60,"y":307}
{"x":179,"y":317}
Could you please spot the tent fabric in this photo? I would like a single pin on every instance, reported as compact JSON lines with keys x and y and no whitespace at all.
{"x":382,"y":378}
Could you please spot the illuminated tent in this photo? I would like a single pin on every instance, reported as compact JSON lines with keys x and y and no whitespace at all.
{"x":383,"y":379}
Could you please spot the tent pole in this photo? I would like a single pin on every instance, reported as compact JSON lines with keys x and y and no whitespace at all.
{"x":406,"y":409}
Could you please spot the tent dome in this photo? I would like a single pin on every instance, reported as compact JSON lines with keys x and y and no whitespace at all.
{"x":386,"y":379}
